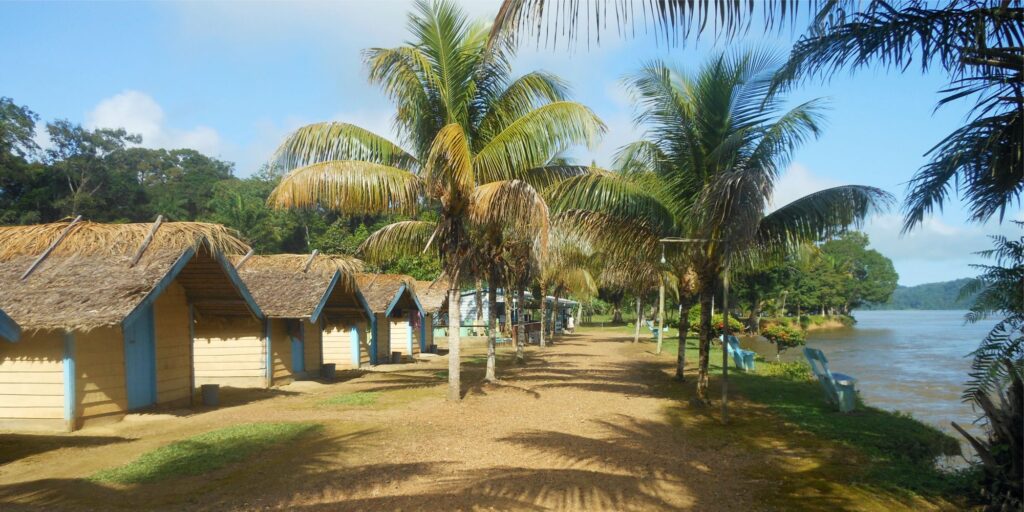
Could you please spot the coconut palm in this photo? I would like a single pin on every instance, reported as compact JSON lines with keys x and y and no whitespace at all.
{"x":715,"y":145}
{"x":977,"y":42}
{"x":468,"y":124}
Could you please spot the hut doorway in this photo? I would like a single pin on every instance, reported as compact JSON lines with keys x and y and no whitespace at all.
{"x":297,"y":335}
{"x":140,"y":359}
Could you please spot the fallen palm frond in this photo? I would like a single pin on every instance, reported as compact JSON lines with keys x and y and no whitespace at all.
{"x":116,"y":240}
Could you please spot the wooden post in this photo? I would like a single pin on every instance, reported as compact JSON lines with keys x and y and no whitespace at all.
{"x":50,"y":249}
{"x":244,"y":259}
{"x":661,"y":310}
{"x":309,"y":262}
{"x":146,"y":241}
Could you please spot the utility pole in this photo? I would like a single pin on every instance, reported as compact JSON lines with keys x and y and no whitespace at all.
{"x":661,"y":310}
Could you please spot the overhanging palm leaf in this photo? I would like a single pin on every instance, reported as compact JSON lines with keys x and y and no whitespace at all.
{"x":323,"y":142}
{"x":820,"y":215}
{"x":349,"y":186}
{"x":405,"y":238}
{"x":513,"y":204}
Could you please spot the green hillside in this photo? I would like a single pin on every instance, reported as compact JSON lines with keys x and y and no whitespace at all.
{"x":926,"y":296}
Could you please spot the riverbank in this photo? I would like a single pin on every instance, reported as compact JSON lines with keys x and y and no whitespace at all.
{"x":811,"y":323}
{"x":594,"y":422}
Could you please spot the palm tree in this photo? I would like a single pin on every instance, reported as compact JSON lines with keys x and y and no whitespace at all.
{"x":468,"y":124}
{"x":979,"y":43}
{"x":715,"y":144}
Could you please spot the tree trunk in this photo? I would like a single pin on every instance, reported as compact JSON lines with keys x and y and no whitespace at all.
{"x":706,"y":295}
{"x":555,"y":312}
{"x":685,"y":305}
{"x":543,"y":311}
{"x":520,"y":359}
{"x":479,"y":303}
{"x":661,"y":314}
{"x":639,"y":318}
{"x":454,"y":383}
{"x":754,"y":322}
{"x":492,"y":326}
{"x":617,"y":311}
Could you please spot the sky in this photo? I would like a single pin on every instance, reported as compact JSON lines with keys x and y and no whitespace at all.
{"x":232,"y":79}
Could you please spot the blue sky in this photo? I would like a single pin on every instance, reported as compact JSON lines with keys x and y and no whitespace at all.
{"x":231,"y":79}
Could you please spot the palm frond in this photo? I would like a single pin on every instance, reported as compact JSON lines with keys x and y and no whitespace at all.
{"x":533,"y":139}
{"x":449,"y":167}
{"x":526,"y":93}
{"x":613,"y":196}
{"x":514,"y":205}
{"x":405,"y":238}
{"x":350,"y":187}
{"x":821,"y":214}
{"x":323,"y":142}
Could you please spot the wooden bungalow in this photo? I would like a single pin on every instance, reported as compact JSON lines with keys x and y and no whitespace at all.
{"x":316,"y":313}
{"x":396,"y":315}
{"x":433,"y":297}
{"x":108,"y":314}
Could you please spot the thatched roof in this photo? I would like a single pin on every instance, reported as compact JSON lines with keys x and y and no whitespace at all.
{"x":9,"y":329}
{"x":284,"y":288}
{"x":433,"y":295}
{"x":380,"y":289}
{"x":112,"y":240}
{"x":88,"y":280}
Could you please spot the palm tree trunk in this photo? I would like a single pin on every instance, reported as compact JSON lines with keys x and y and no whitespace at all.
{"x":555,"y":311}
{"x":685,"y":305}
{"x":706,"y":295}
{"x":543,"y":310}
{"x":492,"y":325}
{"x":479,"y":303}
{"x":520,"y":357}
{"x":639,"y":318}
{"x":454,"y":382}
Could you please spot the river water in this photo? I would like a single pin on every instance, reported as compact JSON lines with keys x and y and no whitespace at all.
{"x":910,"y":361}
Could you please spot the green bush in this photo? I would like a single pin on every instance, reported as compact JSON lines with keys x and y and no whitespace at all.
{"x":716,"y":323}
{"x":795,"y":370}
{"x":784,"y":337}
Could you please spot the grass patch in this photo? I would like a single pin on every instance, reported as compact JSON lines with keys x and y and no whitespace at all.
{"x":204,"y":453}
{"x":356,"y":398}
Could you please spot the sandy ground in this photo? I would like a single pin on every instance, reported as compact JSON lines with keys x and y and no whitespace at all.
{"x":591,"y":423}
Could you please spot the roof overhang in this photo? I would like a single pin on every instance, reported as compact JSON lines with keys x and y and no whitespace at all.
{"x":398,"y":296}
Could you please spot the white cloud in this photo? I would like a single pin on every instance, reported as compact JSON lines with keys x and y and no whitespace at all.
{"x":796,"y":182}
{"x":138,"y":113}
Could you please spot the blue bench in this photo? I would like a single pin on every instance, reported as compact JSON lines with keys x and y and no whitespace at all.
{"x":743,"y":359}
{"x":839,"y":388}
{"x":654,"y":330}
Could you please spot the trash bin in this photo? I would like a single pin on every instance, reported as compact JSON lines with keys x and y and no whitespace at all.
{"x":210,"y":394}
{"x":396,"y":357}
{"x":327,"y":370}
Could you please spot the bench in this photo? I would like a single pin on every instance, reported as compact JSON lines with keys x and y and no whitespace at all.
{"x":743,"y":359}
{"x":839,"y":388}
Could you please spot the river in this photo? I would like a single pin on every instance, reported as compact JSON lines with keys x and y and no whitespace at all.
{"x":910,"y":361}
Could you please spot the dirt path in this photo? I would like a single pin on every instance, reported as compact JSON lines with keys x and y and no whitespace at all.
{"x":591,"y":423}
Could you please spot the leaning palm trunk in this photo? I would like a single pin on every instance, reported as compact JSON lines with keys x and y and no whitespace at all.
{"x":706,"y":295}
{"x":639,"y":318}
{"x":454,"y":382}
{"x":543,"y":312}
{"x":492,"y":333}
{"x":523,"y":337}
{"x":685,"y":305}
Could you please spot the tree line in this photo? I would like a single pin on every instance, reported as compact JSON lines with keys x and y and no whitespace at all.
{"x":103,"y":175}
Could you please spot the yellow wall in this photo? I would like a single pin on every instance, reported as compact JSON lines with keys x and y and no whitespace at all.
{"x":337,"y":339}
{"x":32,"y":382}
{"x":314,"y":346}
{"x":364,"y":342}
{"x":281,"y":344}
{"x":383,"y":339}
{"x":173,"y":347}
{"x":230,"y":352}
{"x":99,"y":362}
{"x":399,"y":330}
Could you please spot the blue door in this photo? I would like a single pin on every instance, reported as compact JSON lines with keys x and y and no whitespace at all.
{"x":423,"y":333}
{"x":298,"y":353}
{"x":140,"y":359}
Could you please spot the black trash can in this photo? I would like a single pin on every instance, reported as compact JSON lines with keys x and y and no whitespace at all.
{"x":210,"y":394}
{"x":327,"y":371}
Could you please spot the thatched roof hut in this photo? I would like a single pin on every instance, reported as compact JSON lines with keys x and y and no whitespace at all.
{"x":300,"y":285}
{"x":9,"y":329}
{"x":381,"y":290}
{"x":433,"y":295}
{"x":97,"y":274}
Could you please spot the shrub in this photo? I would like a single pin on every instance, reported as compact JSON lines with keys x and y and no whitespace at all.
{"x":716,"y":323}
{"x":784,"y":337}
